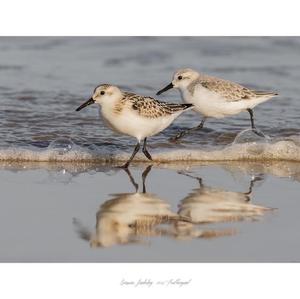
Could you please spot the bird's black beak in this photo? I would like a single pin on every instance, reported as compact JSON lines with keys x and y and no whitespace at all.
{"x":169,"y":86}
{"x":87,"y":103}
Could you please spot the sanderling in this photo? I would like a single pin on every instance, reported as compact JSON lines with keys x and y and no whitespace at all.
{"x":214,"y":97}
{"x":134,"y":115}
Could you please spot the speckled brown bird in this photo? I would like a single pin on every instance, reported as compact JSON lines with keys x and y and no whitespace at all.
{"x":134,"y":115}
{"x":213,"y":97}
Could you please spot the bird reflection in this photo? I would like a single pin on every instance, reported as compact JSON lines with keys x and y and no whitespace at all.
{"x":210,"y":205}
{"x":128,"y":217}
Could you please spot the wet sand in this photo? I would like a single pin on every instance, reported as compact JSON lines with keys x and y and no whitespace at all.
{"x":184,"y":212}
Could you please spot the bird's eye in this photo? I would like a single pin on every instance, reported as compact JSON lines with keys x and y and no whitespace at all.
{"x":179,"y":77}
{"x":102,"y":92}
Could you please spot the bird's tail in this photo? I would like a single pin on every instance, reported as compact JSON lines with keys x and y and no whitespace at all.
{"x":178,"y":107}
{"x":187,"y":106}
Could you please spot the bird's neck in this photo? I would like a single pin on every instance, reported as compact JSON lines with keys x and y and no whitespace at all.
{"x":185,"y":92}
{"x":112,"y":107}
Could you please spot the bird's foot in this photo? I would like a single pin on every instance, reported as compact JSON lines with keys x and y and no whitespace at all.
{"x":176,"y":138}
{"x":125,"y":166}
{"x":259,"y":133}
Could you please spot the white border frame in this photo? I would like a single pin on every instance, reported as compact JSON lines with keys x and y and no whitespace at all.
{"x":133,"y":17}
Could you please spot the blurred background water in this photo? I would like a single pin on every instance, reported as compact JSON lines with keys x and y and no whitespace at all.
{"x":44,"y":79}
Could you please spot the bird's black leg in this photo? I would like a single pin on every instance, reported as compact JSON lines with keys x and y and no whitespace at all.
{"x":144,"y":176}
{"x":183,"y":133}
{"x":251,"y":119}
{"x":145,"y":151}
{"x":252,"y":124}
{"x":136,"y":149}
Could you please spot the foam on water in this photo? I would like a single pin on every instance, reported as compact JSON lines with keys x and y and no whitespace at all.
{"x":65,"y":150}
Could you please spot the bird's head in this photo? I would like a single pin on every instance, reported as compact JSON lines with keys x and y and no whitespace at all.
{"x":181,"y":79}
{"x":102,"y":94}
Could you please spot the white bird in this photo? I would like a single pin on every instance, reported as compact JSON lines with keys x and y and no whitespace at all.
{"x":134,"y":115}
{"x":214,"y":97}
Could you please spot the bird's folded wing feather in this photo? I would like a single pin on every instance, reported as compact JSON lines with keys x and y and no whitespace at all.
{"x":151,"y":108}
{"x":232,"y":91}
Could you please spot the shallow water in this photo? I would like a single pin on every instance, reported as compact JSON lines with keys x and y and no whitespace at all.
{"x":63,"y":200}
{"x":87,"y":212}
{"x":43,"y":80}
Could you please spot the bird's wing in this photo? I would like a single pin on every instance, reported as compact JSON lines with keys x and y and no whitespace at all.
{"x":150,"y":108}
{"x":232,"y":91}
{"x":229,"y":90}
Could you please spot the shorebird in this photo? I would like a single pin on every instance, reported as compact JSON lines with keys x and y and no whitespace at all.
{"x":134,"y":115}
{"x":214,"y":97}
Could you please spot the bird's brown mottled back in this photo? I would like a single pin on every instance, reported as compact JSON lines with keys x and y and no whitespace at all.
{"x":147,"y":107}
{"x":230,"y":90}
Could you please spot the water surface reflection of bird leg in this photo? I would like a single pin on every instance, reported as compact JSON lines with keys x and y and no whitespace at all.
{"x":136,"y":186}
{"x":144,"y":176}
{"x":199,"y":179}
{"x":252,"y":182}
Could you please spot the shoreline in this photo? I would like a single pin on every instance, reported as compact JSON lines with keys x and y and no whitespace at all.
{"x":284,"y":150}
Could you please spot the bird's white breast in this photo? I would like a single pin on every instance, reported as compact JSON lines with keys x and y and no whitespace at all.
{"x":129,"y":122}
